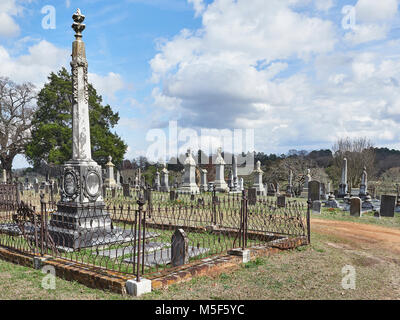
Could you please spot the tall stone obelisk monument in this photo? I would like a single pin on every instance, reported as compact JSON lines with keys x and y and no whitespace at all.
{"x":80,"y":215}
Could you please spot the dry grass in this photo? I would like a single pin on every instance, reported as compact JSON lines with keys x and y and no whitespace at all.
{"x":312,"y":272}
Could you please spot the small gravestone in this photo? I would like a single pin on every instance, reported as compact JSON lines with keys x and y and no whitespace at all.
{"x":171,"y":195}
{"x":314,"y":190}
{"x":281,"y":202}
{"x":252,"y":195}
{"x":316,"y":206}
{"x":113,"y":192}
{"x":179,"y":248}
{"x":125,"y":188}
{"x":355,"y":207}
{"x":388,"y":204}
{"x":192,"y":197}
{"x":36,"y":187}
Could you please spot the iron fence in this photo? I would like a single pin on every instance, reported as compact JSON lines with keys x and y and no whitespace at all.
{"x":149,"y":233}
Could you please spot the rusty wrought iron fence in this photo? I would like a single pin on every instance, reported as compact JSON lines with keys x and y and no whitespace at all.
{"x":150,"y":233}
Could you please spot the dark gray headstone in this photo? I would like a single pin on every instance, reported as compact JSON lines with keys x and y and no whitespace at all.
{"x":281,"y":202}
{"x":113,"y":192}
{"x":125,"y":188}
{"x":316,"y":206}
{"x":179,"y":248}
{"x":355,"y":207}
{"x":314,"y":190}
{"x":252,"y":195}
{"x":388,"y":204}
{"x":171,"y":195}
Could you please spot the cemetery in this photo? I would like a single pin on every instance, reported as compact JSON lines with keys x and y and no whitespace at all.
{"x":135,"y":227}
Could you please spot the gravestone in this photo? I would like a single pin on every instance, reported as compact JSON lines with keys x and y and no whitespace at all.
{"x":171,"y":195}
{"x":36,"y":187}
{"x":388,"y":204}
{"x":355,"y":207}
{"x":316,"y":206}
{"x":125,"y":190}
{"x":113,"y":193}
{"x":281,"y":202}
{"x":252,"y":195}
{"x":314,"y":190}
{"x":179,"y":248}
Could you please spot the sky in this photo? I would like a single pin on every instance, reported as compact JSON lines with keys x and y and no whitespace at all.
{"x":299,"y":74}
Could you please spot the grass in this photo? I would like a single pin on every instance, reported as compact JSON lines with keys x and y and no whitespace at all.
{"x":367,"y":218}
{"x":312,"y":272}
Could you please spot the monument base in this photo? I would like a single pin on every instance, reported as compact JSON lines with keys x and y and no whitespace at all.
{"x":82,"y":225}
{"x":221,"y":186}
{"x":189,"y":188}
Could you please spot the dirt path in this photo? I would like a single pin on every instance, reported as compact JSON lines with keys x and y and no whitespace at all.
{"x":361,"y":235}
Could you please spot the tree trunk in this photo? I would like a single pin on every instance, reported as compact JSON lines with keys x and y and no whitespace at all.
{"x":6,"y":163}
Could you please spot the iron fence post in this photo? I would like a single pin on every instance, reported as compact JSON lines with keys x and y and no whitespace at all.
{"x":308,"y":221}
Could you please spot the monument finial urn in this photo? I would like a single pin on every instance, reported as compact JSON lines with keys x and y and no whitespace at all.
{"x":78,"y":26}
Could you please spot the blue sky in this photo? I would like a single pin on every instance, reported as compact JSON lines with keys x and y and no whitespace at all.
{"x":300,"y":73}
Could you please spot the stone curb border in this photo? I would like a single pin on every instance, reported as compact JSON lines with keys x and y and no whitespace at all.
{"x":117,"y":282}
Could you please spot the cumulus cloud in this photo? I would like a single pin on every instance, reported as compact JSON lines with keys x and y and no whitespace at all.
{"x":241,"y":70}
{"x":42,"y":58}
{"x":107,"y":85}
{"x":9,"y":9}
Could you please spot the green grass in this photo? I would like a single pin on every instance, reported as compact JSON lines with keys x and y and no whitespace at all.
{"x":368,"y":218}
{"x":311,"y":272}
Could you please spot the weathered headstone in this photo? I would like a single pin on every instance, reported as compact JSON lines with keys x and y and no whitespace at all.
{"x":171,"y":195}
{"x":113,"y":192}
{"x":252,"y":195}
{"x":316,"y":206}
{"x":388,"y":204}
{"x":355,"y":207}
{"x":281,"y":201}
{"x":36,"y":187}
{"x":179,"y":248}
{"x":314,"y":190}
{"x":125,"y":190}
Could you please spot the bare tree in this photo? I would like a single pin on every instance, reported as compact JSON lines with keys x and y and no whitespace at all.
{"x":359,"y":152}
{"x":16,"y":110}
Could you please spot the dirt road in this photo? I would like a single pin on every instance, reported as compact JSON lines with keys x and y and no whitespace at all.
{"x":364,"y":236}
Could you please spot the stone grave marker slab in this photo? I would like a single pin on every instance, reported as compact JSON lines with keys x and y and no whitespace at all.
{"x":314,"y":190}
{"x":355,"y":207}
{"x":252,"y":195}
{"x":179,"y":248}
{"x":388,"y":205}
{"x":281,"y":202}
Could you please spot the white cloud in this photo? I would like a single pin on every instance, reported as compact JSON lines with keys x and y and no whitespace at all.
{"x":370,"y":11}
{"x":8,"y":10}
{"x":67,"y":3}
{"x":107,"y":85}
{"x":362,"y":33}
{"x":198,"y":6}
{"x":267,"y":67}
{"x":42,"y":58}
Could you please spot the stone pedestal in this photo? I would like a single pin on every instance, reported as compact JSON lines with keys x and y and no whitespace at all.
{"x":164,"y":179}
{"x":219,"y":184}
{"x":258,"y":184}
{"x":109,"y":181}
{"x":189,"y":179}
{"x":203,"y":184}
